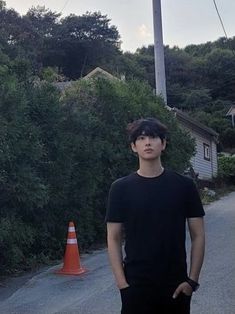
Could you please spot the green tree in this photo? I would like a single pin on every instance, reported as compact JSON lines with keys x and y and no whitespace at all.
{"x":44,"y":26}
{"x":29,"y":116}
{"x":87,"y":41}
{"x":2,"y":4}
{"x":20,"y":149}
{"x":228,"y":138}
{"x":97,"y":112}
{"x":197,"y":99}
{"x":226,"y":167}
{"x":22,"y":189}
{"x":10,"y":29}
{"x":220,"y":67}
{"x":128,"y":65}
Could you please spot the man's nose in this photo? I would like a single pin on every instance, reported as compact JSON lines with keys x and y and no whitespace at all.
{"x":147,"y":141}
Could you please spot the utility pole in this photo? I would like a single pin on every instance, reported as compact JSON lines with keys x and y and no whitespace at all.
{"x":160,"y":75}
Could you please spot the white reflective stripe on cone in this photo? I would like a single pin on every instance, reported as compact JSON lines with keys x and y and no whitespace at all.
{"x":71,"y":241}
{"x":71,"y":229}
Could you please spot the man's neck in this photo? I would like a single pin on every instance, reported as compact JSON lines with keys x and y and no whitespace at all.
{"x":150,"y":169}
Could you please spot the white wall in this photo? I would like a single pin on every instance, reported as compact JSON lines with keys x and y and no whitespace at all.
{"x":207,"y":169}
{"x":214,"y":159}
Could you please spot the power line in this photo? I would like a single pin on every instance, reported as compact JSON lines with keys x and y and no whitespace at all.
{"x":65,"y":4}
{"x":220,"y":19}
{"x":222,"y":24}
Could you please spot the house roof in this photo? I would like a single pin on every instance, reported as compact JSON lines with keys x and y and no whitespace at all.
{"x":231,"y":111}
{"x":98,"y":72}
{"x":63,"y":85}
{"x":183,"y":116}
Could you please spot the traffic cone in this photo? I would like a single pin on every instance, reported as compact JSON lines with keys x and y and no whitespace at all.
{"x":72,"y":264}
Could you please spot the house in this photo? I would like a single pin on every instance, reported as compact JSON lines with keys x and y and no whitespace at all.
{"x":99,"y":73}
{"x":204,"y":162}
{"x":231,"y":113}
{"x":96,"y":73}
{"x":63,"y":85}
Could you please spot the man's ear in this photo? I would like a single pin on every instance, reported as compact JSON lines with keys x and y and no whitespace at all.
{"x":133,"y":148}
{"x":163,"y":144}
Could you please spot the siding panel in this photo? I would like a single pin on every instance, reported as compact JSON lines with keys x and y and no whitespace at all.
{"x":206,"y":169}
{"x":214,"y":159}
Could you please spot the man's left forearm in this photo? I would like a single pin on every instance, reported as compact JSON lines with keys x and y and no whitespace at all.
{"x":197,"y":233}
{"x":197,"y":256}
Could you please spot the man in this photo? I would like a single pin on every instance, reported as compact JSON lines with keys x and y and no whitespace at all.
{"x":151,"y":206}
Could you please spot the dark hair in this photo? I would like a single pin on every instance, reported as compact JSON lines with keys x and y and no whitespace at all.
{"x":148,"y":126}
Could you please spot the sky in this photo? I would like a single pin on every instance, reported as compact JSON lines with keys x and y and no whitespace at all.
{"x":184,"y":21}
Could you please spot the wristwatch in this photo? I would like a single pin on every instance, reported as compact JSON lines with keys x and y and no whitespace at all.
{"x":194,"y":285}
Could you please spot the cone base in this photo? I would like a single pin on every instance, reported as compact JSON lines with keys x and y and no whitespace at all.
{"x":79,"y":271}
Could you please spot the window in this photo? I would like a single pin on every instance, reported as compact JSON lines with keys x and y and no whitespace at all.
{"x":206,"y":151}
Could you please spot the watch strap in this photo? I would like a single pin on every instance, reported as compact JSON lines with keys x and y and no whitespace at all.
{"x":194,"y":285}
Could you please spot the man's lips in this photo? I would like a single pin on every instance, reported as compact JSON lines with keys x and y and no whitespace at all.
{"x":148,"y":150}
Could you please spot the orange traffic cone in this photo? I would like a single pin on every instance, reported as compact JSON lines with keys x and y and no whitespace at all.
{"x":71,"y":258}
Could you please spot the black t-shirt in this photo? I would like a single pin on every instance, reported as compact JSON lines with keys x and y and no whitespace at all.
{"x":153,"y":212}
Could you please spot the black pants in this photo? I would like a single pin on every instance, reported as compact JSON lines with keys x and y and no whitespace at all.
{"x":152,"y":300}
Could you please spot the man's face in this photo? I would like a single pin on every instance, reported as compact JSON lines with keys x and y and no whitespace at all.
{"x":148,"y":147}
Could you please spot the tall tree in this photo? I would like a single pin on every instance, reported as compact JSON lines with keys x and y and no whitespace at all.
{"x":87,"y":41}
{"x":10,"y":30}
{"x":43,"y":24}
{"x":220,"y":67}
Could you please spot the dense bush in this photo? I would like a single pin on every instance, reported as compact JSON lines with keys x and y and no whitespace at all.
{"x":59,"y":155}
{"x":96,"y":113}
{"x":16,"y":239}
{"x":226,"y":168}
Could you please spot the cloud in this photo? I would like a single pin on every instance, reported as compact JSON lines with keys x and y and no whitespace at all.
{"x":143,"y":31}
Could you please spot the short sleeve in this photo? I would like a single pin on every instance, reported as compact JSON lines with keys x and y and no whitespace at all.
{"x":194,"y":206}
{"x":115,"y":205}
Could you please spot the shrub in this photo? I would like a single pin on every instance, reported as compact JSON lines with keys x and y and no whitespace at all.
{"x":58,"y":159}
{"x":16,"y":240}
{"x":226,"y":167}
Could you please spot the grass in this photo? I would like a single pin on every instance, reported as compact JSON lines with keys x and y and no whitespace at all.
{"x":219,"y":192}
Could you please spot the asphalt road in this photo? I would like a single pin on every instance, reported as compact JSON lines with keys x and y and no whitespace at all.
{"x":95,"y":291}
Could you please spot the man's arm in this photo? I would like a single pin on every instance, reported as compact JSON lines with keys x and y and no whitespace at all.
{"x":197,"y":235}
{"x":114,"y":239}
